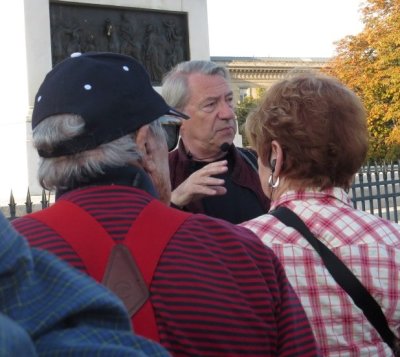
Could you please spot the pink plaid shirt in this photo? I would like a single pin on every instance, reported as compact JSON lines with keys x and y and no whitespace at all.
{"x":367,"y":244}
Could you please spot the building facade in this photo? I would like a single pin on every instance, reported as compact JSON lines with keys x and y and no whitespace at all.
{"x":250,"y":73}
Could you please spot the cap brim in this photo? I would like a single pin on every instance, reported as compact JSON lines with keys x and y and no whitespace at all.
{"x":177,"y":113}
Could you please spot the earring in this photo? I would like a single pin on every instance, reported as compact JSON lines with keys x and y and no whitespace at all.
{"x":271,"y":182}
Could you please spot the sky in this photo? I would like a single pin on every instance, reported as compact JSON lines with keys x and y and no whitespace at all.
{"x":280,"y":28}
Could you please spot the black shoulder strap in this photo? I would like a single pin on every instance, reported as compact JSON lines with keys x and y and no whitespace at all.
{"x":250,"y":157}
{"x":344,"y":277}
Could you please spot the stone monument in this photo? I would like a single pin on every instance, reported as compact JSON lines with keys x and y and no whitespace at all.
{"x":39,"y":33}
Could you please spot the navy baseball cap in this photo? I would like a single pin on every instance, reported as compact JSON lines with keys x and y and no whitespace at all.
{"x":111,"y":92}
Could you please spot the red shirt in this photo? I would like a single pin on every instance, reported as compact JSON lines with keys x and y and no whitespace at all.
{"x":217,"y":291}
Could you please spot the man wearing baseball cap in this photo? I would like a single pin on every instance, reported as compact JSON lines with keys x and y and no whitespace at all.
{"x":198,"y":285}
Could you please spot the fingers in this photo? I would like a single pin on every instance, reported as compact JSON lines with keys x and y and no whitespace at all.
{"x":214,"y":168}
{"x":201,"y":183}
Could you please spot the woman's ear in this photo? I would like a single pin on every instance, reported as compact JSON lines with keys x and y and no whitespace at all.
{"x":276,"y":159}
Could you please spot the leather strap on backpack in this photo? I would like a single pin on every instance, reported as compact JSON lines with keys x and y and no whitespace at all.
{"x":146,"y":240}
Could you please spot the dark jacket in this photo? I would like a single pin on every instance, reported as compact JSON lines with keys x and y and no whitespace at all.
{"x":243,"y":176}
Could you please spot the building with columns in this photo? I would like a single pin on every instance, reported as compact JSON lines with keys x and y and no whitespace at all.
{"x":250,"y":73}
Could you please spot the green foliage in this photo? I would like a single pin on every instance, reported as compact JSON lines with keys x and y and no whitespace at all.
{"x":242,"y":110}
{"x":369,"y":63}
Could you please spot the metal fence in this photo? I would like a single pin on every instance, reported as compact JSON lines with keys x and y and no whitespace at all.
{"x":376,"y":189}
{"x":14,"y":210}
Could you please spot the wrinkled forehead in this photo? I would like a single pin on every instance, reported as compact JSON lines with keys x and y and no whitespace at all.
{"x":203,"y":86}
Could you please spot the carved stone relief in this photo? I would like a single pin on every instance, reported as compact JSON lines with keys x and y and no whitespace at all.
{"x":157,"y":39}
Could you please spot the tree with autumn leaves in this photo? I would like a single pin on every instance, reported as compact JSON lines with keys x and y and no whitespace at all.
{"x":369,"y":63}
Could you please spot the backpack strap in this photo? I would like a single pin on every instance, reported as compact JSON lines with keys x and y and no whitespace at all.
{"x":146,"y":240}
{"x":344,"y":277}
{"x":58,"y":217}
{"x":249,"y":157}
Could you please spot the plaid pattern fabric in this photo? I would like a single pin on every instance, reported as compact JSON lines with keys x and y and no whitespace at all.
{"x":367,"y":244}
{"x":46,"y":305}
{"x":14,"y":341}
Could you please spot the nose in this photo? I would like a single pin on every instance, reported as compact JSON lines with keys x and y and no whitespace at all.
{"x":226,"y":111}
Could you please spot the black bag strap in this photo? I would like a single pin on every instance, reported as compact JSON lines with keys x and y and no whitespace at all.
{"x":250,"y":157}
{"x":344,"y":277}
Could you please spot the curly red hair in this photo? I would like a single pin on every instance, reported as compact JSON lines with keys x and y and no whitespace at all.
{"x":320,"y":125}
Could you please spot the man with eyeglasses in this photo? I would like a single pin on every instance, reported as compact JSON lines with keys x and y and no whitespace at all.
{"x":199,"y":286}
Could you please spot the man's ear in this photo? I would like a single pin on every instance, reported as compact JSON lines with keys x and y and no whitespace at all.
{"x":145,"y":144}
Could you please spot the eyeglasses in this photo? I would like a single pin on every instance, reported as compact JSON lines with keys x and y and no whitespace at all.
{"x":171,"y":126}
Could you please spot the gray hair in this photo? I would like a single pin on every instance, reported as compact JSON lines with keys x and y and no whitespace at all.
{"x":62,"y":172}
{"x":175,"y":87}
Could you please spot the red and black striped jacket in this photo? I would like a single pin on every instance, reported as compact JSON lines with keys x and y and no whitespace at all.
{"x":217,"y":291}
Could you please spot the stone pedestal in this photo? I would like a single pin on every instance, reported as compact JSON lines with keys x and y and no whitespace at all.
{"x":26,"y":58}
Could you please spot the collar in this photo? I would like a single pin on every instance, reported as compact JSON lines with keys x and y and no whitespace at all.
{"x":131,"y":176}
{"x":184,"y":156}
{"x":237,"y":164}
{"x":334,"y":195}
